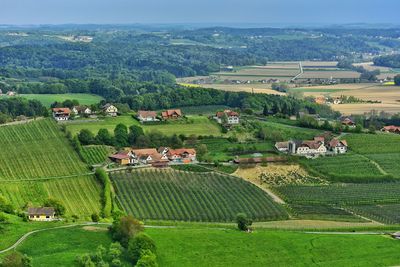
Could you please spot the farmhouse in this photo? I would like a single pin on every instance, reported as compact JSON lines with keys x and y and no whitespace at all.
{"x":146,"y":116}
{"x":338,"y":146}
{"x":320,"y":100}
{"x":391,"y":129}
{"x":81,"y":110}
{"x":61,"y":114}
{"x":312,"y":147}
{"x":110,"y":110}
{"x":227,"y":117}
{"x":320,"y":145}
{"x":147,"y":156}
{"x":122,"y":158}
{"x":171,"y":114}
{"x":41,"y":214}
{"x":348,"y":122}
{"x":182,"y":155}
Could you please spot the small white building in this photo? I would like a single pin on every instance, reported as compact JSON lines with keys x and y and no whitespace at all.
{"x":338,"y":146}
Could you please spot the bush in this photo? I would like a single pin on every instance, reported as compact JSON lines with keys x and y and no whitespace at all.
{"x":243,"y":222}
{"x":95,"y":217}
{"x":16,"y":259}
{"x":147,"y":259}
{"x":125,"y":228}
{"x":139,"y":244}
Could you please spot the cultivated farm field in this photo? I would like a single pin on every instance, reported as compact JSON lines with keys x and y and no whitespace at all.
{"x":96,"y":154}
{"x":192,"y":196}
{"x":35,"y":150}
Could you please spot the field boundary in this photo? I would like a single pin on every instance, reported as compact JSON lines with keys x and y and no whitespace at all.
{"x":46,"y":178}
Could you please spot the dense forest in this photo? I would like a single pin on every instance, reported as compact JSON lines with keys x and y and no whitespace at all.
{"x":392,"y":61}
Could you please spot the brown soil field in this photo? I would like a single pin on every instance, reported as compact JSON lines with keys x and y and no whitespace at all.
{"x":316,"y":64}
{"x":257,"y":88}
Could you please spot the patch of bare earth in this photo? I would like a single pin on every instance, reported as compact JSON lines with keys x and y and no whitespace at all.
{"x":94,"y":228}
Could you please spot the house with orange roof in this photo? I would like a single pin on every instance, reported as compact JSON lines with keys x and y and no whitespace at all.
{"x":227,"y":116}
{"x":61,"y":114}
{"x":391,"y":129}
{"x":171,"y":114}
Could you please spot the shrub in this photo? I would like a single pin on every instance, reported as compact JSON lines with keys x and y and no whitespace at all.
{"x":139,"y":244}
{"x":243,"y":222}
{"x":147,"y":259}
{"x":95,"y":217}
{"x":16,"y":259}
{"x":125,"y":228}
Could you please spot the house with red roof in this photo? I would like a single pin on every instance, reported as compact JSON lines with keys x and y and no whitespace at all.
{"x":180,"y":155}
{"x":391,"y":129}
{"x":227,"y":117}
{"x":146,"y":116}
{"x":338,"y":146}
{"x":61,"y":114}
{"x":171,"y":114}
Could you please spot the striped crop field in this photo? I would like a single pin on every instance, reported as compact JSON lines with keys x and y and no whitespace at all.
{"x":167,"y":194}
{"x":79,"y":195}
{"x":96,"y":154}
{"x":37,"y":150}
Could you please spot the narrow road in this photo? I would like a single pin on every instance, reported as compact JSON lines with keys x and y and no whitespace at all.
{"x":298,"y":75}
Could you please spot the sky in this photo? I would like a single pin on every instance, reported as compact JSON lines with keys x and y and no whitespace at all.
{"x":294,"y":12}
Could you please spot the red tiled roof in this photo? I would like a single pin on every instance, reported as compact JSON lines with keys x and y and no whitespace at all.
{"x":121,"y":155}
{"x":181,"y":151}
{"x":391,"y":128}
{"x":335,"y":142}
{"x":171,"y":112}
{"x":62,"y":110}
{"x":311,"y":144}
{"x":147,"y":113}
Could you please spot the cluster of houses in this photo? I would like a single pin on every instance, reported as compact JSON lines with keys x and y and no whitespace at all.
{"x":155,"y":157}
{"x":151,"y":116}
{"x":64,"y":114}
{"x":320,"y":145}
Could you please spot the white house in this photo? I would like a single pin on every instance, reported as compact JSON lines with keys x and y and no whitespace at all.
{"x":338,"y":146}
{"x":147,"y":116}
{"x":61,"y":114}
{"x":307,"y":147}
{"x":282,"y":146}
{"x":81,"y":110}
{"x":110,"y":110}
{"x":232,"y":117}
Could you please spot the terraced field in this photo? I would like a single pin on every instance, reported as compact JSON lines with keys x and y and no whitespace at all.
{"x":191,"y":196}
{"x":96,"y":154}
{"x":37,"y":150}
{"x":79,"y":195}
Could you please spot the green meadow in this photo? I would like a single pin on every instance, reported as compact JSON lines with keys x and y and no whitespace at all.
{"x":48,"y":99}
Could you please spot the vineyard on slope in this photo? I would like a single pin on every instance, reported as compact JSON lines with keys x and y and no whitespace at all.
{"x":191,"y":196}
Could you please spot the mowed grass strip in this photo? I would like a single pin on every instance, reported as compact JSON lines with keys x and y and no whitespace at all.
{"x":48,"y":99}
{"x":79,"y":195}
{"x":176,"y":195}
{"x":216,"y":247}
{"x":37,"y":150}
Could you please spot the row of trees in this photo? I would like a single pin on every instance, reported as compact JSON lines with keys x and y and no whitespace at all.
{"x":11,"y":108}
{"x":133,"y":136}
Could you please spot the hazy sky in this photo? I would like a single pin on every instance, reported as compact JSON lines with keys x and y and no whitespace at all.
{"x":201,"y":11}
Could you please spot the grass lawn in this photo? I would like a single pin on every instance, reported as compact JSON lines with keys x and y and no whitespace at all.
{"x":60,"y":247}
{"x":48,"y":99}
{"x":218,"y":247}
{"x":198,"y":125}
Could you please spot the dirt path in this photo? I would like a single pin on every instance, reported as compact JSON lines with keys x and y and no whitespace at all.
{"x":376,"y":164}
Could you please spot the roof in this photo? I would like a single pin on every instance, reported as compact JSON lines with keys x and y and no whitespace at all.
{"x":311,"y":144}
{"x":120,"y":155}
{"x":181,"y":151}
{"x":335,"y":142}
{"x":282,"y":144}
{"x":319,"y":139}
{"x":48,"y":211}
{"x":61,"y":110}
{"x":146,"y":114}
{"x":171,"y":112}
{"x":228,"y":112}
{"x":391,"y":128}
{"x":81,"y":108}
{"x":348,"y":121}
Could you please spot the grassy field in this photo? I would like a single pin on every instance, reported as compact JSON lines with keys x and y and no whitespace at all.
{"x":48,"y":99}
{"x":215,"y":247}
{"x":37,"y":150}
{"x":65,"y":245}
{"x":96,"y":154}
{"x":198,"y":125}
{"x":201,"y":246}
{"x":192,"y":196}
